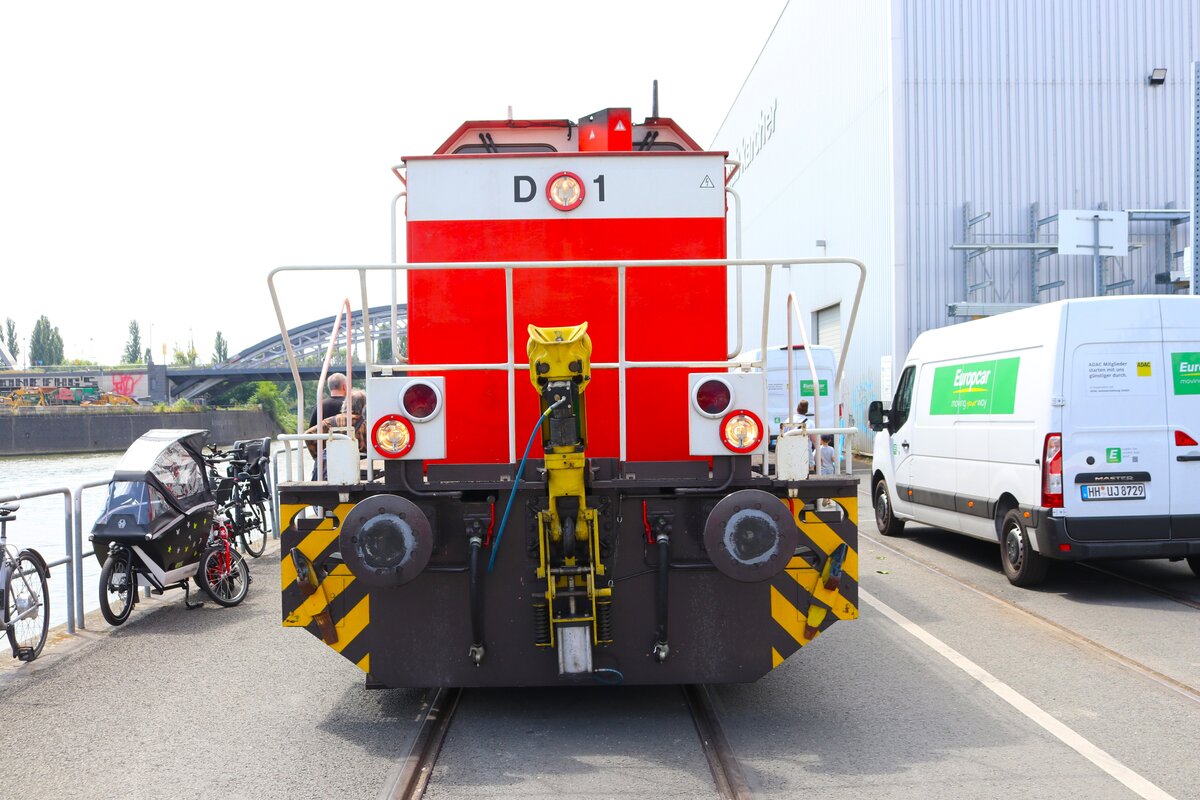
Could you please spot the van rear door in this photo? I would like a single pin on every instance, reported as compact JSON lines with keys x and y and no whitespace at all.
{"x":1115,"y":431}
{"x":1181,"y":359}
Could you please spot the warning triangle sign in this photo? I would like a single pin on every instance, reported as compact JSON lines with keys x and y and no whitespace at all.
{"x":707,"y":183}
{"x":592,"y":134}
{"x":620,"y":126}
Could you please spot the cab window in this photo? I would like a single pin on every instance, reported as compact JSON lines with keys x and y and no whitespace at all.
{"x":903,"y":400}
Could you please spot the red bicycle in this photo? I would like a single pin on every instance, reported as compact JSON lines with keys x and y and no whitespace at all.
{"x":223,"y":574}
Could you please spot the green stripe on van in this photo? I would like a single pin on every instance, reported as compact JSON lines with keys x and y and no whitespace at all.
{"x":978,"y":387}
{"x":1185,"y":370}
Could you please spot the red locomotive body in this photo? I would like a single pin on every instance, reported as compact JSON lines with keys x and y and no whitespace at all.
{"x":567,"y":283}
{"x":663,"y":203}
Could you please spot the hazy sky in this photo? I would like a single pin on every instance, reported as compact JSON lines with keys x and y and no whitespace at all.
{"x":158,"y":159}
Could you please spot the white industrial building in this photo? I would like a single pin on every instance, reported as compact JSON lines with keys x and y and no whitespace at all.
{"x":937,"y":140}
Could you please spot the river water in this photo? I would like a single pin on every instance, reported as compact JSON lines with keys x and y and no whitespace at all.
{"x":40,"y":522}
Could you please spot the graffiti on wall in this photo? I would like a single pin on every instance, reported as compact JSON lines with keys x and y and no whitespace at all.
{"x":127,"y":384}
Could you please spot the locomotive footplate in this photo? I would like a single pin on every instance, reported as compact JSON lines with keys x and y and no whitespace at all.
{"x":676,"y":574}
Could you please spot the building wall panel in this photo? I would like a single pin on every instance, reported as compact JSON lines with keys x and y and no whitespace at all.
{"x":812,"y":126}
{"x":1003,"y":105}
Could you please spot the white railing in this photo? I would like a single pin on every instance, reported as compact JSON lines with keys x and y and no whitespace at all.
{"x":511,"y":365}
{"x":74,"y":547}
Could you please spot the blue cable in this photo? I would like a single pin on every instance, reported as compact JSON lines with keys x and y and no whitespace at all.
{"x":517,"y":481}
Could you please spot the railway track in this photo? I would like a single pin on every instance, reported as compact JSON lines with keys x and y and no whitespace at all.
{"x":1190,"y":692}
{"x":1182,"y":599}
{"x":413,"y":773}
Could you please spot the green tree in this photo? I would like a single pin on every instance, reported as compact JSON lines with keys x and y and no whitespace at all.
{"x":146,"y":356}
{"x":133,"y":347}
{"x":45,"y":345}
{"x":184,"y":358}
{"x":383,"y":353}
{"x":220,"y":349}
{"x":10,"y":336}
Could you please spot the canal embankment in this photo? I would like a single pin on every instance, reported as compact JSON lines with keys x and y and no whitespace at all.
{"x":37,"y":430}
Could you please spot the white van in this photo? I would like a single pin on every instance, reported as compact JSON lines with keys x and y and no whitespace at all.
{"x":802,"y":385}
{"x":1063,"y":431}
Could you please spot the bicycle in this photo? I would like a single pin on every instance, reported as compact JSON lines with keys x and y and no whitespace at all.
{"x":241,"y":493}
{"x":223,"y":574}
{"x":23,"y":576}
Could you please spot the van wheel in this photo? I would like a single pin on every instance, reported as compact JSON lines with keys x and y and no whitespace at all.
{"x":1194,"y":563}
{"x":885,"y":518}
{"x":1021,"y":564}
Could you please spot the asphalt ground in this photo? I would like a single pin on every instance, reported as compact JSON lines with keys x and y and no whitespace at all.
{"x":953,"y":684}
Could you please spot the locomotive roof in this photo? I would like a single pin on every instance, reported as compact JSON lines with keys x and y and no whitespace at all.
{"x":556,"y":135}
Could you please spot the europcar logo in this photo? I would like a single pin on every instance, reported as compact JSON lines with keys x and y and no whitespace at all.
{"x":971,"y":381}
{"x":980,"y":387}
{"x":1185,"y":372}
{"x":1112,"y":455}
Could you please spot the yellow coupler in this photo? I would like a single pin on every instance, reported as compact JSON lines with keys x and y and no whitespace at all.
{"x":560,"y":371}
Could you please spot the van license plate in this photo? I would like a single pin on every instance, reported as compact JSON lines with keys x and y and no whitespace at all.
{"x":1113,"y":491}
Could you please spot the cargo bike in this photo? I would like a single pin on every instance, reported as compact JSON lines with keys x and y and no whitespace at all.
{"x":162,"y":527}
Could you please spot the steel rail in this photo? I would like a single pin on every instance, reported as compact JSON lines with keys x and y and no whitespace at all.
{"x":412,"y":775}
{"x":1074,"y":637}
{"x":726,"y":771}
{"x":1168,"y":594}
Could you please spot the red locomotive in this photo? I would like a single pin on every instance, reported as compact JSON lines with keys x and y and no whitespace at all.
{"x":569,"y":478}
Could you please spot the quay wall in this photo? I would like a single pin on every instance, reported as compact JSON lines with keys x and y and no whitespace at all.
{"x":43,"y":431}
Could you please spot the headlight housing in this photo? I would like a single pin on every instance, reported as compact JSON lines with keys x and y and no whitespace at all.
{"x":741,"y":431}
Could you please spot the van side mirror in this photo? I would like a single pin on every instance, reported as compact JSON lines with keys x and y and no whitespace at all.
{"x":877,"y":417}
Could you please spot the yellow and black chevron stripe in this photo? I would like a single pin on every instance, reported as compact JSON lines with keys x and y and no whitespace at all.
{"x":801,"y":606}
{"x":346,"y":599}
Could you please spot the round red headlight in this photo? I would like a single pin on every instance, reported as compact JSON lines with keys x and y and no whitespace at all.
{"x":421,"y":401}
{"x":565,"y":191}
{"x":713,"y":397}
{"x":741,"y":431}
{"x":393,"y":436}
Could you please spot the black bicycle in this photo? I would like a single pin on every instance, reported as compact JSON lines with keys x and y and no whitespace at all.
{"x":242,"y":492}
{"x":23,"y":576}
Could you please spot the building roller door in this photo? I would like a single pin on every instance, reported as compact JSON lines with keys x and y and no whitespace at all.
{"x":829,"y":328}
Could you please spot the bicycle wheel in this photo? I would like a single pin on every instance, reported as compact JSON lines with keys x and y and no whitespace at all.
{"x":223,"y":575}
{"x":254,"y":529}
{"x":26,"y":593}
{"x":117,"y":589}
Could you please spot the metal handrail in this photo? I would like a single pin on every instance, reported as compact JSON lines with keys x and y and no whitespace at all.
{"x":65,"y":491}
{"x":620,"y":266}
{"x":73,"y":538}
{"x":337,"y":323}
{"x":78,"y":566}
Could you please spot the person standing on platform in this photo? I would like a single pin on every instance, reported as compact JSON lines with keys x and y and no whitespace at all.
{"x":331,"y":406}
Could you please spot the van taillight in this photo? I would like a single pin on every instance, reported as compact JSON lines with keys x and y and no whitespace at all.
{"x":1183,"y":440}
{"x":1052,"y":481}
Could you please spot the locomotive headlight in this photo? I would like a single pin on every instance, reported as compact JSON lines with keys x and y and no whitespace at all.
{"x":741,"y":431}
{"x":393,"y":436}
{"x":565,"y":191}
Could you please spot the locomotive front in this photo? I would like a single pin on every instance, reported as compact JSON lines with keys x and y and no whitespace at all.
{"x":601,"y":508}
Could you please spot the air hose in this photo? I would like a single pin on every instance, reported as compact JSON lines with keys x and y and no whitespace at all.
{"x":517,"y":480}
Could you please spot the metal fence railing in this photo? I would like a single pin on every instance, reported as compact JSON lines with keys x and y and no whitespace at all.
{"x":75,"y":548}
